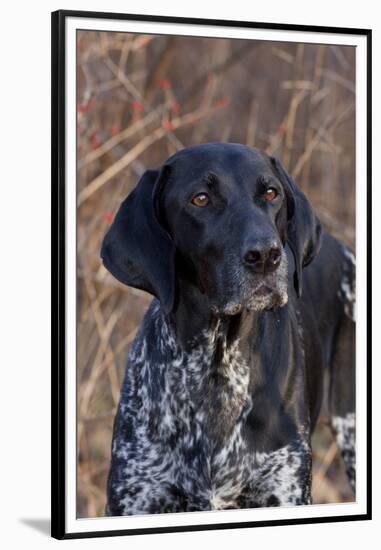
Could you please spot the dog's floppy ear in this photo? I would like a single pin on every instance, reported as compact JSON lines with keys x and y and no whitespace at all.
{"x":137,"y":250}
{"x":303,"y":226}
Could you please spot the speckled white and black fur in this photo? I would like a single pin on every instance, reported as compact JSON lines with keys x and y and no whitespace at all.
{"x":347,"y":290}
{"x":343,"y":417}
{"x":345,"y":430}
{"x":180,"y":441}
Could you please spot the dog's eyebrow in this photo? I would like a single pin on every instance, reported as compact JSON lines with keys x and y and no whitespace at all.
{"x":211,"y":180}
{"x":265,"y":180}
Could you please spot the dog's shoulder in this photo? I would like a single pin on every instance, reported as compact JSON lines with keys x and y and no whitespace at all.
{"x":329,"y":281}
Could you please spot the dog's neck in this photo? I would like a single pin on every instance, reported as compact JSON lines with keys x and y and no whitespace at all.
{"x":193,"y":321}
{"x":212,"y":356}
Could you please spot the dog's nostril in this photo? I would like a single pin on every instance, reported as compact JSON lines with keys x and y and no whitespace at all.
{"x":274,"y":256}
{"x":264,"y":260}
{"x":252,"y":256}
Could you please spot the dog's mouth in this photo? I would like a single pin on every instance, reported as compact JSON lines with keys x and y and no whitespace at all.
{"x":265,"y":295}
{"x":262,"y":298}
{"x":263,"y":290}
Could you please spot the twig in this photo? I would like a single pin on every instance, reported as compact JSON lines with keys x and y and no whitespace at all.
{"x":252,"y":123}
{"x":347,"y":111}
{"x":131,"y":89}
{"x":347,"y":84}
{"x":135,"y":152}
{"x":104,"y":332}
{"x":128,"y":132}
{"x":327,"y":461}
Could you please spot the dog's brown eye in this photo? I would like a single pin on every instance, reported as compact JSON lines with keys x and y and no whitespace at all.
{"x":201,"y":199}
{"x":271,"y":194}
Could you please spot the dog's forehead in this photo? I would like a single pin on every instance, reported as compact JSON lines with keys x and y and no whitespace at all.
{"x":227,"y":159}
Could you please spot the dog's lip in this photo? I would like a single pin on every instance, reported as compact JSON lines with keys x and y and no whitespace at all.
{"x":232,"y":310}
{"x":263,"y":290}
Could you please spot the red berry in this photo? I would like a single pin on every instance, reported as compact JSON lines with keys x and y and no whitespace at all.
{"x":95,"y":141}
{"x":137,"y":106}
{"x":175,"y":107}
{"x":168,"y":125}
{"x":164,"y":84}
{"x":146,"y":40}
{"x":109,"y":218}
{"x":222,"y":103}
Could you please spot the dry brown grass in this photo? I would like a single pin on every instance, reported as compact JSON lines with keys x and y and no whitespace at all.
{"x":141,"y":98}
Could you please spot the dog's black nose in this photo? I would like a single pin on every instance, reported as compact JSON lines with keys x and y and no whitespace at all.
{"x":262,"y":259}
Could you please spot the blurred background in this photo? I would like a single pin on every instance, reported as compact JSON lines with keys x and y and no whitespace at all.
{"x":140,"y":99}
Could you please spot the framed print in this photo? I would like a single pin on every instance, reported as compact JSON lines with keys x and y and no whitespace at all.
{"x":211,"y":274}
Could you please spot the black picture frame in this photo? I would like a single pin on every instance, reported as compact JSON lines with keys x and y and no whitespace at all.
{"x":58,"y":230}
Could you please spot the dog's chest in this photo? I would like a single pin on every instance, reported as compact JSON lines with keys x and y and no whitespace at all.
{"x":211,"y":472}
{"x":190,"y":418}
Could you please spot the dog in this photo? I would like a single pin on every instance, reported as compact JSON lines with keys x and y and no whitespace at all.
{"x":253,"y":303}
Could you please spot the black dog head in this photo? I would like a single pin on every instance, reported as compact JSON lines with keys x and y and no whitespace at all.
{"x":218,"y":216}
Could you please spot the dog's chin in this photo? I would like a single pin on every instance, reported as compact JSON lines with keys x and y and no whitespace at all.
{"x":264,"y":298}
